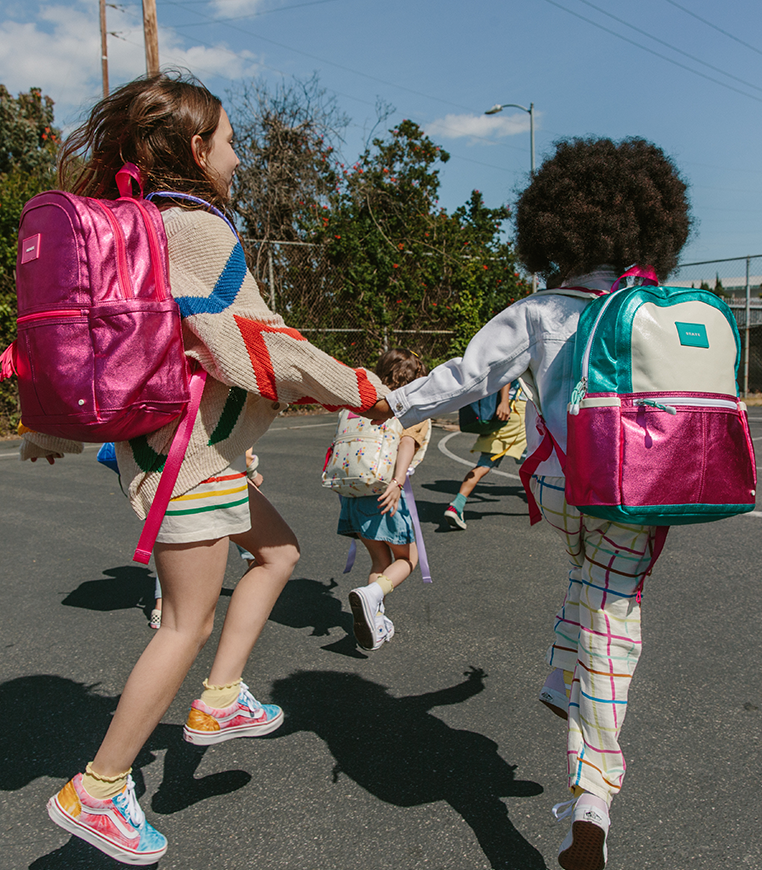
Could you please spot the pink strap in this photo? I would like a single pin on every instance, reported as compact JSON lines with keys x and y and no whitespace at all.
{"x":531,"y":463}
{"x":648,"y":273}
{"x":124,"y":179}
{"x":657,"y":545}
{"x":171,"y":470}
{"x":8,"y":366}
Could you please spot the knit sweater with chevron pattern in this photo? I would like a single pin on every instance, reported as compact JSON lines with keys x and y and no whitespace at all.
{"x":256,"y":365}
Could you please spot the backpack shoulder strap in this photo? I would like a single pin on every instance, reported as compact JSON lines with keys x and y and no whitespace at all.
{"x":171,"y":470}
{"x":576,"y":292}
{"x":187,"y":197}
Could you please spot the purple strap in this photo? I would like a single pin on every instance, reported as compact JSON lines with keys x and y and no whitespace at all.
{"x":171,"y":470}
{"x":351,"y":556}
{"x":187,"y":197}
{"x":422,"y":556}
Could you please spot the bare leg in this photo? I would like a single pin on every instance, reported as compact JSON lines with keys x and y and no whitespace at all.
{"x":395,"y":561}
{"x":472,"y":478}
{"x":191,"y":578}
{"x":276,"y":550}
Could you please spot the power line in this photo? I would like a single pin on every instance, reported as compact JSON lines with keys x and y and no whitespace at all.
{"x":243,"y":17}
{"x":354,"y":72}
{"x":715,"y":27}
{"x":655,"y":53}
{"x":669,"y":45}
{"x":349,"y":97}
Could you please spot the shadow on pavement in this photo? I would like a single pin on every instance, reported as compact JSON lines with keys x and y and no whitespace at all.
{"x":80,"y":718}
{"x":304,"y":603}
{"x":401,"y":754}
{"x":122,"y":588}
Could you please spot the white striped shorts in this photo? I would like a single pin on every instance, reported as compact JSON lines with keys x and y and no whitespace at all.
{"x":217,"y":508}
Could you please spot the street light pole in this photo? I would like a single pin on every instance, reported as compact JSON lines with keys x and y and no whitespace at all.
{"x":498,"y":107}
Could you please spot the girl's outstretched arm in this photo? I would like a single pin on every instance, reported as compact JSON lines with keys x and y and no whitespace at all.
{"x":391,"y":496}
{"x":230,"y":330}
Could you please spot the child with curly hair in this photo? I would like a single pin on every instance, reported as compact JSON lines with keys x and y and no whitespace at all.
{"x":592,"y":209}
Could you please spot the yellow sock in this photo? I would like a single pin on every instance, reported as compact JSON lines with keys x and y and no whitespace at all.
{"x":103,"y":787}
{"x":385,"y":583}
{"x":568,"y":677}
{"x":220,"y":696}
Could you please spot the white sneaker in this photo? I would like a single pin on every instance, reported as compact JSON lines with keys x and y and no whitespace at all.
{"x":364,"y":609}
{"x":584,"y":847}
{"x":384,"y":628}
{"x":553,"y":694}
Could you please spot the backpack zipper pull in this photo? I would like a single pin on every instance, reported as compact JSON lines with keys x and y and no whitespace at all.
{"x":651,"y":404}
{"x":578,"y":394}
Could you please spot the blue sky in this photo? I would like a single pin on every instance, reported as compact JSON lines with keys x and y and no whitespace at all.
{"x":686,"y":75}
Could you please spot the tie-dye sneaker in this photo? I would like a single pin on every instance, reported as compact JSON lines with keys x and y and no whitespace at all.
{"x":116,"y":826}
{"x":245,"y":717}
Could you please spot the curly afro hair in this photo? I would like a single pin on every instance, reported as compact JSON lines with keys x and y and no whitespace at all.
{"x":597,"y":202}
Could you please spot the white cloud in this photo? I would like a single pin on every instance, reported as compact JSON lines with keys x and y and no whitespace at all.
{"x":478,"y":127}
{"x":225,"y":8}
{"x":60,"y":53}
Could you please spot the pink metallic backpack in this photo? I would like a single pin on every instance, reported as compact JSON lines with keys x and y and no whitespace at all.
{"x":99,"y":354}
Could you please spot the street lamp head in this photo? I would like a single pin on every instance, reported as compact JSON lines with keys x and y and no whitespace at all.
{"x":494,"y":110}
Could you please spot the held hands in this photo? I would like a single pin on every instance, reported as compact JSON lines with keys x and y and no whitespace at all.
{"x":378,"y":412}
{"x":390,"y":498}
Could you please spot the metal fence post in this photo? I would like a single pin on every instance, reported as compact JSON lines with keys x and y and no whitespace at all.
{"x":270,"y":276}
{"x":747,"y":331}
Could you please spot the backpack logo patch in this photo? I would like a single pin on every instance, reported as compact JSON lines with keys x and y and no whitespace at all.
{"x":692,"y":334}
{"x":30,"y":248}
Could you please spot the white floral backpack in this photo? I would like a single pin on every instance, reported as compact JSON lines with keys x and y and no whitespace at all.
{"x":362,"y":457}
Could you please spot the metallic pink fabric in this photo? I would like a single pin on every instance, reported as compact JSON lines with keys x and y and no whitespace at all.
{"x":99,"y":350}
{"x":638,"y":456}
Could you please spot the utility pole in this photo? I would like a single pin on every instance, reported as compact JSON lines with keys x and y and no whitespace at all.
{"x":104,"y":48}
{"x":151,"y":36}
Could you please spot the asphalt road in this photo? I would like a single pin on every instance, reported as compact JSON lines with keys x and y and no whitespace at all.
{"x":430,"y":753}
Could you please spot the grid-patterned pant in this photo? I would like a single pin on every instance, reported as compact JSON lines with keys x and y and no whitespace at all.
{"x":597,"y":633}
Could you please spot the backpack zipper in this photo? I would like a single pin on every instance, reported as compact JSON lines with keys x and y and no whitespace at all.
{"x":156,"y":258}
{"x":45,"y":315}
{"x":667,"y":403}
{"x":121,"y":256}
{"x":580,"y":391}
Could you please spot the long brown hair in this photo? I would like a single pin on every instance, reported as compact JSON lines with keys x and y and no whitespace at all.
{"x":150,"y":122}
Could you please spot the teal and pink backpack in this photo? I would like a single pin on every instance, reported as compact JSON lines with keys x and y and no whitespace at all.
{"x":656,"y":433}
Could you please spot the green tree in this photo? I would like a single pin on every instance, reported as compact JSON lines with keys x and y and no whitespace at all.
{"x":28,"y":147}
{"x":718,"y":288}
{"x":401,"y":266}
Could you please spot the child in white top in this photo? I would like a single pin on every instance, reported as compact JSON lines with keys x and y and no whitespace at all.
{"x":593,"y":208}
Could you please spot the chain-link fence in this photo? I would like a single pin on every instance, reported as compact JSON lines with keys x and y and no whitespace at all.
{"x":739,"y":281}
{"x":299,"y":282}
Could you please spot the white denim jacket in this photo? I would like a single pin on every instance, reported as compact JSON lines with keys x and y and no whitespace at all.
{"x":532,"y":339}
